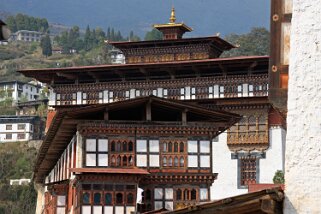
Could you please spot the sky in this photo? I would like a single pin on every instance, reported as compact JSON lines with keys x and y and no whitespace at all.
{"x":206,"y":17}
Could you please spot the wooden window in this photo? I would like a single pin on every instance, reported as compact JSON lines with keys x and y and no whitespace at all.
{"x":97,"y":198}
{"x":181,"y":162}
{"x":176,"y":161}
{"x":203,"y":194}
{"x":130,"y":198}
{"x":173,"y":153}
{"x":74,"y":99}
{"x":119,"y":198}
{"x":188,"y":93}
{"x":216,"y":91}
{"x":121,"y":153}
{"x":96,"y":152}
{"x":160,"y":92}
{"x":175,"y":147}
{"x":240,"y":90}
{"x":181,"y":147}
{"x":58,"y":99}
{"x":86,"y":198}
{"x":108,"y":199}
{"x":248,"y":170}
{"x":199,"y":153}
{"x":61,"y":204}
{"x":193,"y":194}
{"x":178,"y":194}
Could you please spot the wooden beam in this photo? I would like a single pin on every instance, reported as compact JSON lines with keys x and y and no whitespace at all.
{"x":68,"y":76}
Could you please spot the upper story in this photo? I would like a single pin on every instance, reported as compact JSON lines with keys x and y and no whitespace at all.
{"x":186,"y":80}
{"x":20,"y":90}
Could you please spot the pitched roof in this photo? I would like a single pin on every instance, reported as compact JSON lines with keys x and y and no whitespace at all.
{"x":65,"y":121}
{"x":143,"y":71}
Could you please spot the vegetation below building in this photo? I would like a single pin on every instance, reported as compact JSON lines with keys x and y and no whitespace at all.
{"x":16,"y":162}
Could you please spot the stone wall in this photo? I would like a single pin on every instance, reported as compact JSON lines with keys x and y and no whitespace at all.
{"x":303,"y":146}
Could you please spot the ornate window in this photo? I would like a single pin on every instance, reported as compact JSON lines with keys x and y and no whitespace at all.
{"x":248,"y":170}
{"x":105,"y":198}
{"x":173,"y":153}
{"x":216,"y":91}
{"x":188,"y":93}
{"x":121,"y":153}
{"x":160,"y":92}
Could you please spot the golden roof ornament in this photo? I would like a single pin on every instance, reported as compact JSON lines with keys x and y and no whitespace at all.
{"x":172,"y":19}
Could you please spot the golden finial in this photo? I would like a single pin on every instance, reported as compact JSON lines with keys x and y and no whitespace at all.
{"x":172,"y":19}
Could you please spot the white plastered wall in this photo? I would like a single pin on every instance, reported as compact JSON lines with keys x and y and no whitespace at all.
{"x":274,"y":155}
{"x":226,"y":183}
{"x":303,"y":140}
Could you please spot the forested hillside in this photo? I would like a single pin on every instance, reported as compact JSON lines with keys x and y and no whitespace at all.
{"x":16,"y":162}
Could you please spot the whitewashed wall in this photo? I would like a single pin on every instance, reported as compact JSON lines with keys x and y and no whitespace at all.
{"x":303,"y":143}
{"x":226,"y":183}
{"x":274,"y":159}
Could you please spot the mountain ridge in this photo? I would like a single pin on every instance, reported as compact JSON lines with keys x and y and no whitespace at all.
{"x":206,"y":17}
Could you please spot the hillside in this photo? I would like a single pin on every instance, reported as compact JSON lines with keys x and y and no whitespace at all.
{"x":16,"y":161}
{"x":206,"y":17}
{"x":20,"y":55}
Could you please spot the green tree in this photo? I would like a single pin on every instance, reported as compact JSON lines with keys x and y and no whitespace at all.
{"x":153,"y":35}
{"x":278,"y":177}
{"x":11,"y":22}
{"x":133,"y":37}
{"x":87,"y":39}
{"x":46,"y":46}
{"x":256,"y":42}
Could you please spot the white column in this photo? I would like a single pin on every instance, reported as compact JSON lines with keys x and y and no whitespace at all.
{"x":303,"y":141}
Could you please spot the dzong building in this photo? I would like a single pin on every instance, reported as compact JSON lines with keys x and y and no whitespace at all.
{"x":175,"y":121}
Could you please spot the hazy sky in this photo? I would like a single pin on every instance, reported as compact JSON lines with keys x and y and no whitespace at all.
{"x":206,"y":17}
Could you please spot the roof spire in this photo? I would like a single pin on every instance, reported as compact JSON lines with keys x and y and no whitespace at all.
{"x":172,"y":19}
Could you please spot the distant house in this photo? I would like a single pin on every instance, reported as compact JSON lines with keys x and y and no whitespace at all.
{"x":23,"y":181}
{"x":27,"y":36}
{"x":20,"y":128}
{"x":17,"y":90}
{"x":57,"y":50}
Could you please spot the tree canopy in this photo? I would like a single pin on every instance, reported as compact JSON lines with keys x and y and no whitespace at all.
{"x":153,"y":35}
{"x":46,"y":46}
{"x":25,"y":22}
{"x":256,"y":42}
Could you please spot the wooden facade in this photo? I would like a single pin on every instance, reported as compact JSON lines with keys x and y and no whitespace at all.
{"x":150,"y":124}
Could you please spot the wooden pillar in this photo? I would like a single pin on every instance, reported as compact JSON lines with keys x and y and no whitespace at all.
{"x":149,"y":110}
{"x":106,"y":114}
{"x":184,"y":116}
